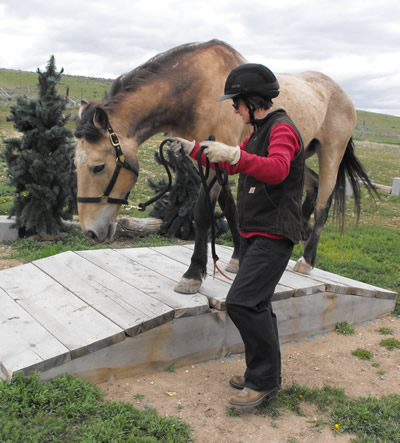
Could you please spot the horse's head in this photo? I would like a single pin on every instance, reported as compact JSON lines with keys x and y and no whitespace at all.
{"x":107,"y":169}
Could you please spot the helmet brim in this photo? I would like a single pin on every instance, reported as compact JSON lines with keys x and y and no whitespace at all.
{"x":227,"y":97}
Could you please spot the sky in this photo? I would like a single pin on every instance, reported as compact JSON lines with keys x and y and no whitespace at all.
{"x":356,"y":42}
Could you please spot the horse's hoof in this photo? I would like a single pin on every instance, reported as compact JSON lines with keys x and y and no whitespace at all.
{"x":186,"y":286}
{"x":302,"y":266}
{"x":233,"y":266}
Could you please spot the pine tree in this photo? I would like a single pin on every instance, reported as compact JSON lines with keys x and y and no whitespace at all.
{"x":40,"y":162}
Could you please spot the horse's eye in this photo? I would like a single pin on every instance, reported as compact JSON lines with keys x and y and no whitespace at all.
{"x":98,"y":168}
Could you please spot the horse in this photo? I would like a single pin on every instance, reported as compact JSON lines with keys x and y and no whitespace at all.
{"x":176,"y":92}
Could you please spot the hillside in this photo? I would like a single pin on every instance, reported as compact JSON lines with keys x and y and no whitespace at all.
{"x":370,"y":126}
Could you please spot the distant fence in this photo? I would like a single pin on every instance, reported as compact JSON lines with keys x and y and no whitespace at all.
{"x":393,"y":190}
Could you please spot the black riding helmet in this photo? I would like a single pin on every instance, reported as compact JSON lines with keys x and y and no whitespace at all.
{"x":250,"y":79}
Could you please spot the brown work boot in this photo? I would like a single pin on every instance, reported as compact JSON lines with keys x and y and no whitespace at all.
{"x":237,"y":381}
{"x":249,"y":398}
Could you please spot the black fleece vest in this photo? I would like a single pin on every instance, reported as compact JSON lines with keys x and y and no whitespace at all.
{"x":273,"y":209}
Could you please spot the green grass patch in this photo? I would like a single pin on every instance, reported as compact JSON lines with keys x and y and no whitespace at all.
{"x":390,"y":343}
{"x":69,"y":409}
{"x":373,"y":420}
{"x":368,"y":253}
{"x":369,"y":418}
{"x":362,"y":354}
{"x":170,"y":368}
{"x":28,"y":249}
{"x":344,"y":328}
{"x":385,"y":331}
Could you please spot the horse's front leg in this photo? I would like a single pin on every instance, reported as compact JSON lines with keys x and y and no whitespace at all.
{"x":190,"y":282}
{"x":227,"y":204}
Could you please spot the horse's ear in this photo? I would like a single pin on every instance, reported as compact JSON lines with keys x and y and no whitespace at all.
{"x":100,"y":119}
{"x":82,"y":108}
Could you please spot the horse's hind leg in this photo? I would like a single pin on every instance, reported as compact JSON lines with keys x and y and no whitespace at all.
{"x":228,"y":206}
{"x":328,"y":172}
{"x":311,"y":189}
{"x":190,"y":282}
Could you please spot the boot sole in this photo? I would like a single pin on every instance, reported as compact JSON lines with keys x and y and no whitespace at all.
{"x":268,"y":396}
{"x":235,"y":385}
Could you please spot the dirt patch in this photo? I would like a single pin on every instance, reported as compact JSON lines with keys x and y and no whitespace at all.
{"x":5,"y":262}
{"x":199,"y":394}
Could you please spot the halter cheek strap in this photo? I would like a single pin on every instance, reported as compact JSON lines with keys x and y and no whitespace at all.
{"x":120,"y":162}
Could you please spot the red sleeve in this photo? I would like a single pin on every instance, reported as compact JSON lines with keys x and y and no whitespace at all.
{"x":283,"y":147}
{"x":223,"y":165}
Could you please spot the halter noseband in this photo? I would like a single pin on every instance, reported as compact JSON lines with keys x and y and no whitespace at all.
{"x":120,"y":162}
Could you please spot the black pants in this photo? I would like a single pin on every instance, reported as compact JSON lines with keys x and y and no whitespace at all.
{"x":262,"y":262}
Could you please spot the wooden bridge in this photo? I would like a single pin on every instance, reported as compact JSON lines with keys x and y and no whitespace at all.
{"x":107,"y":313}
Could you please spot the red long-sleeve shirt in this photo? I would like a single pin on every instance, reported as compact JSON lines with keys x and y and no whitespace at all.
{"x":283,"y":148}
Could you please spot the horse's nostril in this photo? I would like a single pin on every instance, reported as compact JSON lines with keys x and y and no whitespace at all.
{"x":91,"y":235}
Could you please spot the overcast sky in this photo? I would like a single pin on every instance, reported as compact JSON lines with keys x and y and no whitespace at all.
{"x":356,"y":42}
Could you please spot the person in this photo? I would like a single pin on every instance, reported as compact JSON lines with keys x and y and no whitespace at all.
{"x":270,"y":164}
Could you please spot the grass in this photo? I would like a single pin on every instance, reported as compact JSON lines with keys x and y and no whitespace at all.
{"x":369,"y":418}
{"x":28,"y":249}
{"x":369,"y":253}
{"x":362,"y":354}
{"x":69,"y":409}
{"x":390,"y":343}
{"x":378,"y":127}
{"x":16,"y":82}
{"x":170,"y":368}
{"x":385,"y":331}
{"x":344,"y":328}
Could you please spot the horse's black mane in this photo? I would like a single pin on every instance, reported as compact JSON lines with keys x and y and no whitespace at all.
{"x":134,"y":79}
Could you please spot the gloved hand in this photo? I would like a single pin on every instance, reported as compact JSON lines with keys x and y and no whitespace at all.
{"x":219,"y":152}
{"x":178,"y":145}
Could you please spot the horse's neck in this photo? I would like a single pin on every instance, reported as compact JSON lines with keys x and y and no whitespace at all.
{"x":149,"y":111}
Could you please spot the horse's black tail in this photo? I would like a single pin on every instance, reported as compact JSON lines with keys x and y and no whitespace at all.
{"x":354,"y":170}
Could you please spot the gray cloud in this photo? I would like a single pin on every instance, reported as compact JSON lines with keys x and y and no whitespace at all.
{"x":357,"y":43}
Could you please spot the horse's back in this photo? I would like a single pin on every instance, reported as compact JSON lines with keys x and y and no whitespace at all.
{"x":316,"y":104}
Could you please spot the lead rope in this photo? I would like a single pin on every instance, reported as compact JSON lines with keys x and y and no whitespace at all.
{"x":222,"y":177}
{"x":142,"y":206}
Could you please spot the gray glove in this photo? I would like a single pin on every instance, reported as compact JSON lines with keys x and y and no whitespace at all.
{"x":178,"y":145}
{"x":219,"y":152}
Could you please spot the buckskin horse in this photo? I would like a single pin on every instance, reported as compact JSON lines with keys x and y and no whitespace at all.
{"x":176,"y":91}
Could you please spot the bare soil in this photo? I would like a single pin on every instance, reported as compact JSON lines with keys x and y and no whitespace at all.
{"x":198,"y":394}
{"x":7,"y":262}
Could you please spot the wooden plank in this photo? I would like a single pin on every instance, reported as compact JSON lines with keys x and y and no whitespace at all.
{"x":188,"y":339}
{"x":211,"y":287}
{"x":288,"y":286}
{"x":225,"y":253}
{"x":191,"y":340}
{"x":303,"y":316}
{"x":124,"y":305}
{"x":142,"y":278}
{"x":76,"y":325}
{"x":25,"y":344}
{"x":214,"y":289}
{"x":343,"y":285}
